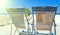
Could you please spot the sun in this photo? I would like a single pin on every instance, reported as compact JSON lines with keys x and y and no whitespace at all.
{"x":3,"y":3}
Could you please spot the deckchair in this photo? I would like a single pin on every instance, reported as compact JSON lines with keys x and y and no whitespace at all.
{"x":44,"y":17}
{"x":17,"y":16}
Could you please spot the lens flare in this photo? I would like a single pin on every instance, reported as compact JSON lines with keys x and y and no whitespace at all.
{"x":3,"y":3}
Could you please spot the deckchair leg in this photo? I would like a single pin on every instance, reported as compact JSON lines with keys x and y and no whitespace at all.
{"x":54,"y":29}
{"x":14,"y":32}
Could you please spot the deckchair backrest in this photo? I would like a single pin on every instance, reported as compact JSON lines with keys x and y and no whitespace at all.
{"x":17,"y":16}
{"x":44,"y":17}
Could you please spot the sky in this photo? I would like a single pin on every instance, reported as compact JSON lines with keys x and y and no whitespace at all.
{"x":30,"y":3}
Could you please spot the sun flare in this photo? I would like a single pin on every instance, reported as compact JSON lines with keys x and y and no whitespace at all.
{"x":3,"y":3}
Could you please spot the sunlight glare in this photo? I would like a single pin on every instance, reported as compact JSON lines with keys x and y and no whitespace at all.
{"x":3,"y":3}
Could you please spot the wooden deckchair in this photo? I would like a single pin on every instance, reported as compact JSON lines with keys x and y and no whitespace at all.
{"x":44,"y":17}
{"x":17,"y":16}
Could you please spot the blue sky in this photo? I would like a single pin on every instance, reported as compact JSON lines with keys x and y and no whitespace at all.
{"x":33,"y":3}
